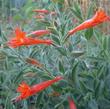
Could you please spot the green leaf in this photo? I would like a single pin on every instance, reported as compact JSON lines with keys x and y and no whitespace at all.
{"x":100,"y":89}
{"x":90,"y":11}
{"x":102,"y":70}
{"x":86,"y":75}
{"x":77,"y":11}
{"x":106,"y":42}
{"x":77,"y":53}
{"x":92,"y":104}
{"x":59,"y":104}
{"x":83,"y":87}
{"x":89,"y":33}
{"x":74,"y":75}
{"x":62,"y":51}
{"x":104,"y":103}
{"x":61,"y":67}
{"x":56,"y":88}
{"x":39,"y":98}
{"x":98,"y":37}
{"x":56,"y":40}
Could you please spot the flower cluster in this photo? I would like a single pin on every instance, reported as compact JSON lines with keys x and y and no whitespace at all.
{"x":23,"y":39}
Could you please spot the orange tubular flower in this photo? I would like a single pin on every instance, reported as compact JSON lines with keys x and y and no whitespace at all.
{"x":44,"y":11}
{"x":98,"y":18}
{"x":27,"y":90}
{"x":71,"y":103}
{"x":39,"y":33}
{"x":21,"y":39}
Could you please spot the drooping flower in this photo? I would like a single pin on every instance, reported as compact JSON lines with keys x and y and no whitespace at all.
{"x":44,"y":11}
{"x":98,"y":18}
{"x":20,"y":39}
{"x":71,"y":103}
{"x":33,"y":62}
{"x":25,"y":90}
{"x":39,"y":33}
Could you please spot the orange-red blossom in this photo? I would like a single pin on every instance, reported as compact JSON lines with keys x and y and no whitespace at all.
{"x":39,"y":33}
{"x":71,"y":103}
{"x":26,"y":91}
{"x":98,"y":18}
{"x":21,"y":39}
